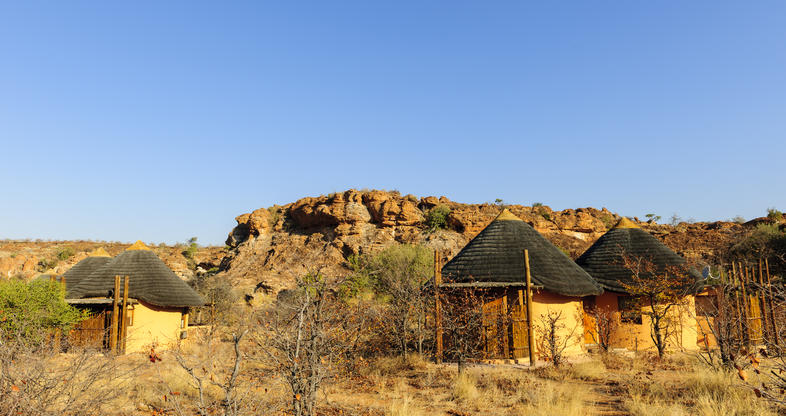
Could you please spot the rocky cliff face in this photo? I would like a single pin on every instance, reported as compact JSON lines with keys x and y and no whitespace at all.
{"x":273,"y":245}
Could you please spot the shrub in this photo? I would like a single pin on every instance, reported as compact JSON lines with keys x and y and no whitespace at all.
{"x":774,"y":214}
{"x":65,"y":253}
{"x":28,"y":311}
{"x":437,"y":217}
{"x":46,"y":264}
{"x":608,"y":220}
{"x":275,"y":215}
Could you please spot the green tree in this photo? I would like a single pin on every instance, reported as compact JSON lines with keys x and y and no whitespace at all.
{"x":398,"y":275}
{"x":30,"y":310}
{"x":190,"y":252}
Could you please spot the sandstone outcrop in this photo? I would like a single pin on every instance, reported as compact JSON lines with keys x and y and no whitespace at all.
{"x":328,"y":230}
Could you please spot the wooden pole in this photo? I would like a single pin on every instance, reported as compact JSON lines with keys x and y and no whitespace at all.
{"x":437,"y":306}
{"x":733,"y":279}
{"x":772,"y":304}
{"x":113,"y":329}
{"x":505,"y":328}
{"x":745,"y":308}
{"x":530,"y":334}
{"x":124,"y":315}
{"x":765,"y":329}
{"x":522,"y":314}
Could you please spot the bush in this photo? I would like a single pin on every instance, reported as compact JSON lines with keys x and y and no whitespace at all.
{"x":65,"y":253}
{"x":28,"y":311}
{"x":46,"y":264}
{"x":437,"y":217}
{"x":774,"y":214}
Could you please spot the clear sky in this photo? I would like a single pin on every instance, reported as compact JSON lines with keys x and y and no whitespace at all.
{"x":164,"y":120}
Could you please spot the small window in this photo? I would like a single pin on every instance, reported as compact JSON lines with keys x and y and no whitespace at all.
{"x":630,"y":311}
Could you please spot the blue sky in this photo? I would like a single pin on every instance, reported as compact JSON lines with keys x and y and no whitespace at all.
{"x":163,"y":120}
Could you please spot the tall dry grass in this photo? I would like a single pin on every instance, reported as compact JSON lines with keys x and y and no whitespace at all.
{"x":702,"y":392}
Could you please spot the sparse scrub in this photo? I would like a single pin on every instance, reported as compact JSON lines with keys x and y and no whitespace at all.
{"x":65,"y":253}
{"x":437,"y":217}
{"x":774,"y":214}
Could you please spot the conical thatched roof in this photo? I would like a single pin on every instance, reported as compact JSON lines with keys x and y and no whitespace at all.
{"x":85,"y":268}
{"x":150,"y":280}
{"x":604,"y":259}
{"x":496,"y":255}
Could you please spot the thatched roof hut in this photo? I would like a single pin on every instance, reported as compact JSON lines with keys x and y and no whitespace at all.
{"x":495,"y":255}
{"x":604,"y":260}
{"x":78,"y":272}
{"x":150,"y":280}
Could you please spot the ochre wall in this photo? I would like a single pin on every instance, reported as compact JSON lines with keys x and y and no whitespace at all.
{"x":571,"y":318}
{"x":153,"y":325}
{"x":634,"y":336}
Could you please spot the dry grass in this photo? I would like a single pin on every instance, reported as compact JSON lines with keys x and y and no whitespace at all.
{"x":396,"y":386}
{"x":701,"y":391}
{"x":465,"y":388}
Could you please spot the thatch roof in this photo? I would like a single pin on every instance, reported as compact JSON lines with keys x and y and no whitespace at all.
{"x":78,"y":272}
{"x":604,"y":259}
{"x":150,"y":280}
{"x":496,"y":255}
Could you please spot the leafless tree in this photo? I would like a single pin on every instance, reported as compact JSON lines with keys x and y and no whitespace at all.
{"x":662,"y":292}
{"x":306,"y":335}
{"x":39,"y":381}
{"x":554,"y":336}
{"x":606,"y":324}
{"x":719,"y":323}
{"x":216,"y":359}
{"x":462,"y":324}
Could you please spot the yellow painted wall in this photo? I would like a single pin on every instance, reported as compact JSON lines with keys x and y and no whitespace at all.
{"x":637,"y":337}
{"x":571,"y":310}
{"x":153,"y":325}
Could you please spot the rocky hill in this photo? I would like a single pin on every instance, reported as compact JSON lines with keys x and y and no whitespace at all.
{"x":269,"y":246}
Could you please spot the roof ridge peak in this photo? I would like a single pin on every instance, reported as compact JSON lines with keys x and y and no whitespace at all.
{"x":506,"y":215}
{"x":99,"y":252}
{"x":624,"y":222}
{"x":139,"y":245}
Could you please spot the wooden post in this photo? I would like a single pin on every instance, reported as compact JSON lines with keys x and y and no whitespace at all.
{"x":437,"y":306}
{"x":113,"y":329}
{"x":530,"y":334}
{"x":522,"y":314}
{"x":776,"y":336}
{"x":745,"y":310}
{"x":503,"y":317}
{"x":733,"y":281}
{"x":184,"y":321}
{"x":765,"y":329}
{"x":124,"y":316}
